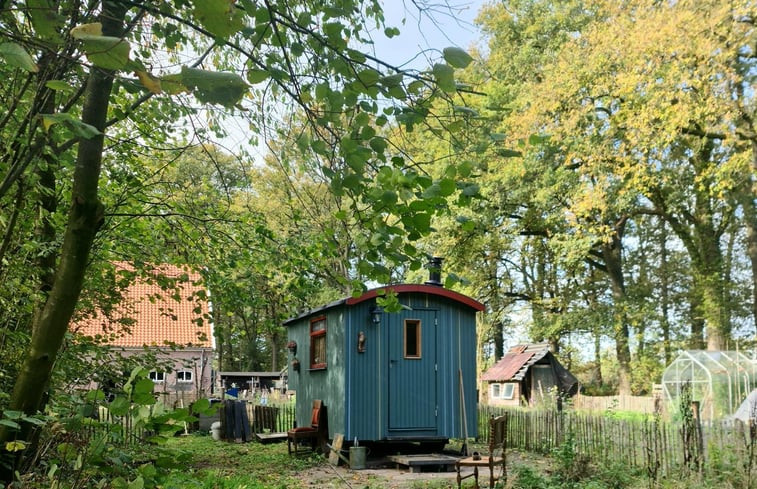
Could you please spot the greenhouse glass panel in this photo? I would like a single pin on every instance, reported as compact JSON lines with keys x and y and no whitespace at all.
{"x":719,"y":380}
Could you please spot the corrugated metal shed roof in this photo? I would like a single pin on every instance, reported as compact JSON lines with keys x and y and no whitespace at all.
{"x":148,"y":315}
{"x":515,"y":363}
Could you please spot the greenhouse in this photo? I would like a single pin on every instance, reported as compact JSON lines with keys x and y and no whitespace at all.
{"x":719,"y":380}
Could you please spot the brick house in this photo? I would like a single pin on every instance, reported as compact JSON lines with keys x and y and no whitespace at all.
{"x":172,"y":322}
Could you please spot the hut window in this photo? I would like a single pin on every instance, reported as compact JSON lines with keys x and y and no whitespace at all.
{"x":502,"y":391}
{"x":318,"y":343}
{"x":412,"y":338}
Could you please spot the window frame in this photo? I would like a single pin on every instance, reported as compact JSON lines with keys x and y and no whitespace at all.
{"x":498,"y":388}
{"x":156,"y":376}
{"x":183,"y":373}
{"x":318,"y":336}
{"x":418,"y":336}
{"x":509,"y":386}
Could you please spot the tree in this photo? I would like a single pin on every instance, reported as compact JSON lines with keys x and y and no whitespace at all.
{"x":293,"y":52}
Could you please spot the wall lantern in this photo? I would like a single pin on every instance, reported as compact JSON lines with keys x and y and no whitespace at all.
{"x":376,"y":312}
{"x":292,"y":347}
{"x":361,"y":342}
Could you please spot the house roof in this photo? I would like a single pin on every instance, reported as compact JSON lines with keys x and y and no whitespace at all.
{"x":398,"y":289}
{"x":516,"y":362}
{"x":149,"y":315}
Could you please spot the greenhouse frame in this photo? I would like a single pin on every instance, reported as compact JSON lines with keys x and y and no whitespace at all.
{"x":719,"y":380}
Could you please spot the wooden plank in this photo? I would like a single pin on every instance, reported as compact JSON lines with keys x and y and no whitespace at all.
{"x":336,"y":447}
{"x":270,"y":437}
{"x":415,"y":462}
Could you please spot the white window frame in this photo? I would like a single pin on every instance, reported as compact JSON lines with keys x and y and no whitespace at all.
{"x":181,"y":376}
{"x":157,"y":377}
{"x":505,"y":391}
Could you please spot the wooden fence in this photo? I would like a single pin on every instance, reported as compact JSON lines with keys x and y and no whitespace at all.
{"x":639,"y":404}
{"x":649,"y":443}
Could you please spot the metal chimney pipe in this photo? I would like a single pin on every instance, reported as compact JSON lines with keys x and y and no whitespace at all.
{"x":434,"y":266}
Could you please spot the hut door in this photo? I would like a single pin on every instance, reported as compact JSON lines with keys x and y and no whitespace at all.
{"x":412,"y":373}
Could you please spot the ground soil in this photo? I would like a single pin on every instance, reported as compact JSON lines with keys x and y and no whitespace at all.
{"x":380,"y":472}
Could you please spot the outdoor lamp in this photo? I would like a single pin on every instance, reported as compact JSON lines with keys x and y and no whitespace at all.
{"x":376,"y":312}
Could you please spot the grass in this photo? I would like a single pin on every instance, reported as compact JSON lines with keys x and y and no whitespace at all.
{"x":216,"y":465}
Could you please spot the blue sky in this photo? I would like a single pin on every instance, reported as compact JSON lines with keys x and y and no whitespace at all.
{"x":448,"y":23}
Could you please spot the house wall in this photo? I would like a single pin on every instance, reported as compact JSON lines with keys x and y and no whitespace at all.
{"x":515,"y":401}
{"x":171,"y":391}
{"x":326,"y":384}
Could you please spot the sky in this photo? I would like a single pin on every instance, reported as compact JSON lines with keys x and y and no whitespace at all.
{"x":423,"y":34}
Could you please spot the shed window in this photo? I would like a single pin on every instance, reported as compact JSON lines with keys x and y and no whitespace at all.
{"x":157,"y":376}
{"x":318,"y":343}
{"x":502,"y":391}
{"x":184,"y":376}
{"x":412,"y":338}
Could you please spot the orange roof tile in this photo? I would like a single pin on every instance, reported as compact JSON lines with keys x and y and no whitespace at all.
{"x":148,"y":315}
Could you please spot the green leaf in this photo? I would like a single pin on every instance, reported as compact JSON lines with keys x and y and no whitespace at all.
{"x":509,"y":153}
{"x":214,"y":87}
{"x":78,"y":127}
{"x":257,"y":76}
{"x":59,"y":85}
{"x":110,"y":53}
{"x":15,"y":55}
{"x":444,"y":76}
{"x":10,"y":424}
{"x":45,"y":19}
{"x":95,"y":395}
{"x":143,"y":386}
{"x":13,"y":414}
{"x":457,"y":57}
{"x":219,"y":17}
{"x":119,"y":406}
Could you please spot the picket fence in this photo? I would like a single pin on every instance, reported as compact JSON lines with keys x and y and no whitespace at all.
{"x":651,"y":443}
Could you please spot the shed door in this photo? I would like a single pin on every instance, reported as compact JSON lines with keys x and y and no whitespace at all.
{"x":412,"y":372}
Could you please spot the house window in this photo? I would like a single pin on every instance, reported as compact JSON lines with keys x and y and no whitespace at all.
{"x":157,"y":376}
{"x":502,"y":391}
{"x":318,"y":343}
{"x":184,"y":376}
{"x":412,"y":338}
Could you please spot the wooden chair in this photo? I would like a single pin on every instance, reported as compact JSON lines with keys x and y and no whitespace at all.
{"x":310,"y":433}
{"x":496,"y":457}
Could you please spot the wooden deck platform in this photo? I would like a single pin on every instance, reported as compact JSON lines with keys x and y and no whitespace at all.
{"x":416,"y":462}
{"x":271,"y":437}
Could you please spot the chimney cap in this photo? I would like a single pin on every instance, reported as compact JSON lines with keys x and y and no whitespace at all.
{"x":434,"y":266}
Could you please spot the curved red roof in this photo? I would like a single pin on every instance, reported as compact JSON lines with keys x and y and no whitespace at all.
{"x":419,"y":288}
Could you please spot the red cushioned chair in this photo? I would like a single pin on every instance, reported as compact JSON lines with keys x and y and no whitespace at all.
{"x":310,"y":433}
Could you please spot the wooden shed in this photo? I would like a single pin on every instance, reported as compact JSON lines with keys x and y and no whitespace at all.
{"x":528,"y":373}
{"x":389,"y":376}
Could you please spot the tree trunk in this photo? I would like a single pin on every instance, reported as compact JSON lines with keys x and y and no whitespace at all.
{"x":612,"y":253}
{"x":665,"y":294}
{"x":750,"y":221}
{"x":84,"y":219}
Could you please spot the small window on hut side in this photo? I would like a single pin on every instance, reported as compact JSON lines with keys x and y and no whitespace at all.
{"x":318,"y":343}
{"x":412,"y":338}
{"x":507,"y":391}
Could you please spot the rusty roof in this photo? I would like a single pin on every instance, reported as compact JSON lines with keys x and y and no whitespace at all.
{"x":150,"y":315}
{"x":515,"y":363}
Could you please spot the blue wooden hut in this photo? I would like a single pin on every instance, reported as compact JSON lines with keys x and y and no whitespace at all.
{"x":389,"y":376}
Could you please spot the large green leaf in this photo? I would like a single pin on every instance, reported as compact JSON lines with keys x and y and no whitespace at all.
{"x":110,"y":53}
{"x":214,"y":87}
{"x":457,"y":57}
{"x":444,"y":76}
{"x":78,"y":127}
{"x":45,"y":19}
{"x":219,"y":17}
{"x":15,"y":55}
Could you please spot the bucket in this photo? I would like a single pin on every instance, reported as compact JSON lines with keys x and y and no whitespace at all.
{"x":215,"y":430}
{"x":357,"y":458}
